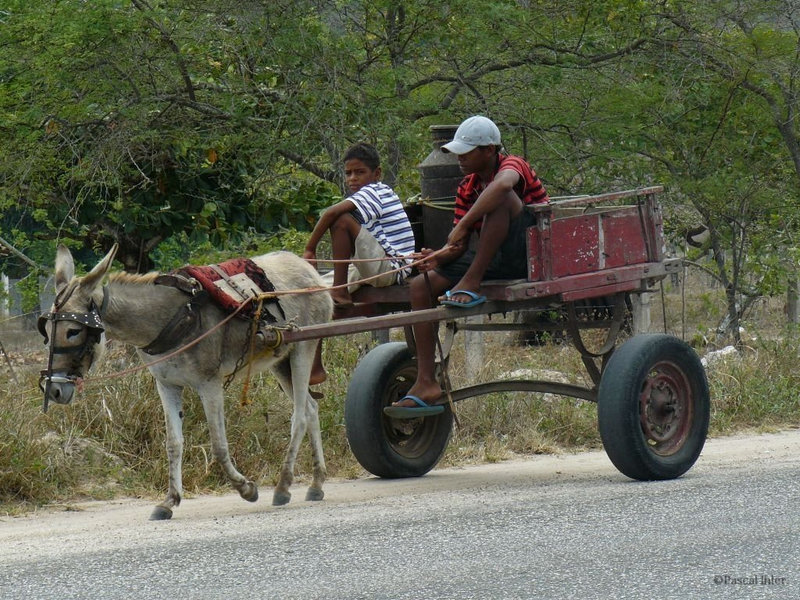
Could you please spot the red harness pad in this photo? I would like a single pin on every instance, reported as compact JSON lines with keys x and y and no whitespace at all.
{"x":216,"y":285}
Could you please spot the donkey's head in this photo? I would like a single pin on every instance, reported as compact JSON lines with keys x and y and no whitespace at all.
{"x":72,"y":328}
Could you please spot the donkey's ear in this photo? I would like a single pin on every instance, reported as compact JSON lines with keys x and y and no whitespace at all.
{"x":93,"y":277}
{"x":65,"y":267}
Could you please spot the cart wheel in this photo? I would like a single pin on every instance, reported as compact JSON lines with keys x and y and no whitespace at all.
{"x":391,"y":447}
{"x":653,"y":407}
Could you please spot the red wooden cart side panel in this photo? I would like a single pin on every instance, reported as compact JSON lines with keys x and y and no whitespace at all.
{"x":575,"y":244}
{"x":562,"y":244}
{"x":534,"y":240}
{"x":654,"y":227}
{"x":623,"y":240}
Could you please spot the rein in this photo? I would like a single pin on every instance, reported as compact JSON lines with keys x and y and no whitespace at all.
{"x":93,"y":322}
{"x":312,"y":290}
{"x":401,"y":257}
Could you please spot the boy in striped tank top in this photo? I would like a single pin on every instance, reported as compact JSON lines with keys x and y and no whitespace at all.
{"x":370,"y":223}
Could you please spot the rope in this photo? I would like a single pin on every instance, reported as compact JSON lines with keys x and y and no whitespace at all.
{"x":259,"y":298}
{"x":438,"y":205}
{"x":314,"y":290}
{"x":245,"y":399}
{"x":172,"y":354}
{"x":20,"y":316}
{"x":399,"y":257}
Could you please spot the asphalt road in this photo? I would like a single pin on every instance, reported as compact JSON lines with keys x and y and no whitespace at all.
{"x":566,"y":526}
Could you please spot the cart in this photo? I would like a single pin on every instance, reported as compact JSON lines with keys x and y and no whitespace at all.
{"x":651,"y":392}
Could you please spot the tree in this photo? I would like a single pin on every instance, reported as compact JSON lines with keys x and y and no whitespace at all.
{"x":136,"y":121}
{"x":140,"y":122}
{"x":750,"y":200}
{"x":114,"y":111}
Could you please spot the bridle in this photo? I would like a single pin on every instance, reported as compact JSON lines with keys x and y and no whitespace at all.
{"x":93,"y":325}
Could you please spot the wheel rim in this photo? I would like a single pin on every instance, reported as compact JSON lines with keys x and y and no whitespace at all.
{"x":410,"y":438}
{"x":666,"y":408}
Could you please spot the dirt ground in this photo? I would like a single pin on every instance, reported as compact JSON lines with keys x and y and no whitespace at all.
{"x":55,"y":528}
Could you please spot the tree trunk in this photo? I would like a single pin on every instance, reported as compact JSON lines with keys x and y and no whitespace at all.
{"x":791,"y":302}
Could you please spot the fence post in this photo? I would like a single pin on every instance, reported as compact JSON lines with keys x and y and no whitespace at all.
{"x":640,"y":303}
{"x":792,"y":311}
{"x":474,"y":349}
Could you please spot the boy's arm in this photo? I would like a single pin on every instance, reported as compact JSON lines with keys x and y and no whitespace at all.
{"x":327,"y":219}
{"x":490,"y":198}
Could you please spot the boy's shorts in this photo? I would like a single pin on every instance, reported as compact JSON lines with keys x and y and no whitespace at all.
{"x":510,"y":261}
{"x":366,"y":247}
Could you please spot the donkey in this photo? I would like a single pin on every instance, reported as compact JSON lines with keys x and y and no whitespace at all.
{"x":140,"y":310}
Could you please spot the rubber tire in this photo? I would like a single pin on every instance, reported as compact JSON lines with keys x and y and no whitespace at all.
{"x":645,"y":368}
{"x":391,"y":448}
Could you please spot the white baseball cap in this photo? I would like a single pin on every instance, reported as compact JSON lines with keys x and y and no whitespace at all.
{"x":475,"y":131}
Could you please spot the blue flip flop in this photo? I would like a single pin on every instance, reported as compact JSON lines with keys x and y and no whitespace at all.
{"x":476,"y":299}
{"x":413,"y":412}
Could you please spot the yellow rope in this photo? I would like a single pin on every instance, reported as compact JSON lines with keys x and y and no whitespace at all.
{"x":245,"y":400}
{"x":260,"y":298}
{"x":438,"y":205}
{"x":312,"y":290}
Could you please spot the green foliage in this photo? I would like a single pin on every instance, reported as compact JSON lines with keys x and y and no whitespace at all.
{"x":29,"y":291}
{"x":193,"y":132}
{"x":177,"y":251}
{"x":163,"y":126}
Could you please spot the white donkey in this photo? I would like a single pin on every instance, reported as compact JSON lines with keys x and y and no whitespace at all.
{"x":158,"y":319}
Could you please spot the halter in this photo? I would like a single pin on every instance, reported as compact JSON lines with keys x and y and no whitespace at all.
{"x":91,"y":322}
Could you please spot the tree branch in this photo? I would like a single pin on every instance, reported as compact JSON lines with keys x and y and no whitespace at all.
{"x":143,"y":7}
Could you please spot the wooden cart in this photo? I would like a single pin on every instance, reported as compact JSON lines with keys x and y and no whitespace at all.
{"x":651,"y":391}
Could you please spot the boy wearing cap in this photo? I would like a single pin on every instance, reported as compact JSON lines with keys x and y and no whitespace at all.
{"x":489,"y":202}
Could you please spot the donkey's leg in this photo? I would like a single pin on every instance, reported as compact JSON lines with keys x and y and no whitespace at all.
{"x":293,"y":375}
{"x":303,"y":360}
{"x":281,"y":495}
{"x":212,"y":396}
{"x":172,"y":403}
{"x":315,"y":437}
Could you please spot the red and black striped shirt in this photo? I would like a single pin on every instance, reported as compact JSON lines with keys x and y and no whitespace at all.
{"x":529,"y":187}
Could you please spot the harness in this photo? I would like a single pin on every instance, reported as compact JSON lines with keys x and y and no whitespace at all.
{"x":94,"y":331}
{"x":186,"y":319}
{"x":184,"y":323}
{"x":234,"y":282}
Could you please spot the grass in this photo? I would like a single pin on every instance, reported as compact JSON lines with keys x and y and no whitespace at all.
{"x":110,"y":441}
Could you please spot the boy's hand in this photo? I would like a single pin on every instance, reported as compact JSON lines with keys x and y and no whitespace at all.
{"x":310,"y":254}
{"x":428,"y":263}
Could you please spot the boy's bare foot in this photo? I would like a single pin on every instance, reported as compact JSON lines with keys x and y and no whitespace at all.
{"x":317,"y":377}
{"x":341,"y":299}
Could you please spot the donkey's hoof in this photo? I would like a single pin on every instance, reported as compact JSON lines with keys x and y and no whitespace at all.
{"x":249,"y":491}
{"x":161,"y":513}
{"x":314,"y":494}
{"x":281,"y":498}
